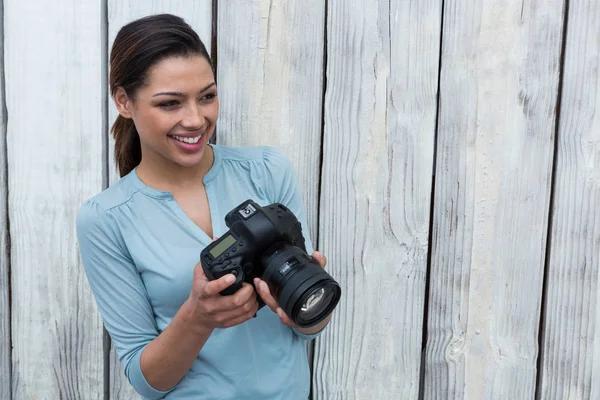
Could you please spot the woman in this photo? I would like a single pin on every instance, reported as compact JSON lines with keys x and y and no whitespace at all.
{"x":141,"y":238}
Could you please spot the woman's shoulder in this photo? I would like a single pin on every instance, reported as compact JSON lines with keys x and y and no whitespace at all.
{"x":96,"y":224}
{"x":101,"y":203}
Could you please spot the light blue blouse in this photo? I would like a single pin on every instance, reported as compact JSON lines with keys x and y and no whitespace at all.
{"x":139,"y":250}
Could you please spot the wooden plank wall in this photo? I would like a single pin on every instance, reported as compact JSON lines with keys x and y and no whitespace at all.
{"x":53,"y":61}
{"x":449,"y":155}
{"x":570,"y":357}
{"x":5,"y":338}
{"x":380,"y":108}
{"x":498,"y":92}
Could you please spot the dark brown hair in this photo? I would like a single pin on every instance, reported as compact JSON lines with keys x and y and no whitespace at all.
{"x":137,"y":47}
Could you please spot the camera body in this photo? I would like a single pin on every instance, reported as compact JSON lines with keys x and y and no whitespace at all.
{"x":254,"y":231}
{"x":267,"y":243}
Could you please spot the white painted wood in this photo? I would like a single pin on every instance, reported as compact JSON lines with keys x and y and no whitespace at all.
{"x":270,"y":78}
{"x":570,"y":364}
{"x":197,"y":13}
{"x":5,"y":349}
{"x":380,"y":110}
{"x":499,"y":79}
{"x":53,"y":65}
{"x":119,"y":386}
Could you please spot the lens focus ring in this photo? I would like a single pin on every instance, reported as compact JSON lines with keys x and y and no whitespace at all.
{"x":274,"y":262}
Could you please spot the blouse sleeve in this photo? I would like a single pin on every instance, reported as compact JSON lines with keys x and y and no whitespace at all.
{"x":286,"y":190}
{"x":119,"y":292}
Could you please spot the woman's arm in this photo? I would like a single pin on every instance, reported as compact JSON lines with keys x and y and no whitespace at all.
{"x":153,"y":363}
{"x":167,"y":358}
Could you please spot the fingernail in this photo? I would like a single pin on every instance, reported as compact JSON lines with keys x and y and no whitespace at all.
{"x":230,"y":278}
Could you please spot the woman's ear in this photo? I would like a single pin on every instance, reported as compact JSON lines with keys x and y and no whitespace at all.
{"x":122,"y":102}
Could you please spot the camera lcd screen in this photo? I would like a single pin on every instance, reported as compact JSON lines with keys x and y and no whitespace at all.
{"x":223,"y":245}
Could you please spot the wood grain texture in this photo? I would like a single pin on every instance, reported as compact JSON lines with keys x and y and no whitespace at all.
{"x":270,"y":75}
{"x":119,"y":386}
{"x":54,"y":145}
{"x":498,"y":93}
{"x":198,"y":14}
{"x":380,"y":111}
{"x":570,"y":353}
{"x":5,"y":342}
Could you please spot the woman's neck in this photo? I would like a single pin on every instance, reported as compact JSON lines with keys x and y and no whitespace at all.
{"x":172,"y":177}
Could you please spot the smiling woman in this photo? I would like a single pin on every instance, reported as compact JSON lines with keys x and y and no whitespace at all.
{"x":141,"y":238}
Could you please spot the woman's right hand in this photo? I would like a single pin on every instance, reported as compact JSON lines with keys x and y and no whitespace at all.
{"x":210,"y":310}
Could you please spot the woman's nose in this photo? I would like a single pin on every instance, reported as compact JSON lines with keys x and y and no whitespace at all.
{"x":193,"y":118}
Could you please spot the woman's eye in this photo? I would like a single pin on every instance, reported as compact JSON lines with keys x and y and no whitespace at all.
{"x":208,"y":97}
{"x":168,"y":104}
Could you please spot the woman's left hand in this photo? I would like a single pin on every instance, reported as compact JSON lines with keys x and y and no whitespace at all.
{"x":263,"y":291}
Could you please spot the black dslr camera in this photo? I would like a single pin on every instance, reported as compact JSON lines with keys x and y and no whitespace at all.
{"x":267,"y":242}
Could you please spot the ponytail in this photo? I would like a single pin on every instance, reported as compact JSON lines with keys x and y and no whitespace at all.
{"x":128,"y":150}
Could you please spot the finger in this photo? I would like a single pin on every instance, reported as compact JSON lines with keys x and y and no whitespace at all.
{"x":241,"y":297}
{"x":320,"y":258}
{"x":213,"y":288}
{"x":284,"y":318}
{"x":227,"y":314}
{"x":234,"y":301}
{"x":265,"y":294}
{"x":199,"y":272}
{"x":215,"y":238}
{"x":221,"y":316}
{"x":236,"y":320}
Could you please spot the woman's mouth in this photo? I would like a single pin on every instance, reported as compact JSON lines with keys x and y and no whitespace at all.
{"x":189,"y":144}
{"x":186,"y":139}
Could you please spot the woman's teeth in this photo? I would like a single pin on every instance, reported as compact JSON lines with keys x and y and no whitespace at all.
{"x":190,"y":140}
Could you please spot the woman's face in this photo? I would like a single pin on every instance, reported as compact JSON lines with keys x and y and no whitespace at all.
{"x":176,"y":112}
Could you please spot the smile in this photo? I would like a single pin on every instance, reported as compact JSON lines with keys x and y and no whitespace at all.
{"x":190,"y":140}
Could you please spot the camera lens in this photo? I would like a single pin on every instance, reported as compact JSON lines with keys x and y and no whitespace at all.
{"x":304,"y":290}
{"x":319,"y":303}
{"x":313,"y":299}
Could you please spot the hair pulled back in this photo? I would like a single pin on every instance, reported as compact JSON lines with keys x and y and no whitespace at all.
{"x":138,"y":46}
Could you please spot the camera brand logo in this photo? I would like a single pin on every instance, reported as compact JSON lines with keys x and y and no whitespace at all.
{"x":247,"y":211}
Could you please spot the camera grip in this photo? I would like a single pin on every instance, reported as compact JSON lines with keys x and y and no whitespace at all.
{"x":218,"y":271}
{"x":237,"y":285}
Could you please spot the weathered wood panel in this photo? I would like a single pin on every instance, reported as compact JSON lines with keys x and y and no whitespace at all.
{"x":498,"y":88}
{"x":270,"y":75}
{"x":380,"y":111}
{"x":5,"y":350}
{"x":198,"y":14}
{"x":53,"y":62}
{"x":570,"y":353}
